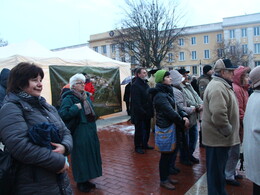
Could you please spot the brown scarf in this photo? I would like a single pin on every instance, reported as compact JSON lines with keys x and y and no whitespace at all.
{"x":89,"y":112}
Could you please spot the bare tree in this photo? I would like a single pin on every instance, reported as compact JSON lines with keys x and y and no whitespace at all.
{"x":3,"y":43}
{"x":148,"y":31}
{"x":235,"y":51}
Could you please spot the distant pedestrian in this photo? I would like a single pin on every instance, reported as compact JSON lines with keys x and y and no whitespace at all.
{"x":204,"y":79}
{"x":141,"y":111}
{"x":220,"y":124}
{"x":251,"y":140}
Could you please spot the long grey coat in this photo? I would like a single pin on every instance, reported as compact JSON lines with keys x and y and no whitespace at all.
{"x":38,"y":165}
{"x":251,"y":142}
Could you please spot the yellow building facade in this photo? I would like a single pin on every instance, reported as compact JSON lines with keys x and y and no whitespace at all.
{"x":198,"y":44}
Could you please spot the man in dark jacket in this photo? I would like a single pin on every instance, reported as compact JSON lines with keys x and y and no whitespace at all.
{"x":3,"y":84}
{"x":141,"y":111}
{"x":127,"y":97}
{"x":204,"y":79}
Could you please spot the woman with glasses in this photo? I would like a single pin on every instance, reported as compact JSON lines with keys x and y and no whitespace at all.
{"x":76,"y":107}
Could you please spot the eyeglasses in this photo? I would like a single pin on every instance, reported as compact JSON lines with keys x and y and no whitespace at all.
{"x":80,"y":83}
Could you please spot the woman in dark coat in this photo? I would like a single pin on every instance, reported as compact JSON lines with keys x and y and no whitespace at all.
{"x":166,"y":116}
{"x":86,"y":159}
{"x":41,"y":170}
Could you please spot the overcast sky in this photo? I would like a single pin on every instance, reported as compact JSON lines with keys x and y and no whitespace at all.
{"x":60,"y":23}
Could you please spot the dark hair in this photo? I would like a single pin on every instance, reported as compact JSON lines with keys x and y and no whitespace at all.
{"x":21,"y":74}
{"x":138,"y":71}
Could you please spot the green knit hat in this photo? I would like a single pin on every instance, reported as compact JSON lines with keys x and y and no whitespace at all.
{"x":159,"y":75}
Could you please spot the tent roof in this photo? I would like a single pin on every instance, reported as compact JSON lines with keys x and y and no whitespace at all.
{"x":82,"y":53}
{"x":27,"y":48}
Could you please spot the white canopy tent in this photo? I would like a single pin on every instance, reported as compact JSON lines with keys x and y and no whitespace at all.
{"x":30,"y":51}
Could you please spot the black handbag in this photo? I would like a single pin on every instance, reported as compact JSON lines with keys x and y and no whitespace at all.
{"x":8,"y":170}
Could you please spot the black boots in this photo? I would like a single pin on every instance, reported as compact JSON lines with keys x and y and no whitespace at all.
{"x":86,"y":186}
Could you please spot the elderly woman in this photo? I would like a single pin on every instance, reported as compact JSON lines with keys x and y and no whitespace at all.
{"x":41,"y":167}
{"x":167,"y":118}
{"x":251,"y":139}
{"x":86,"y":159}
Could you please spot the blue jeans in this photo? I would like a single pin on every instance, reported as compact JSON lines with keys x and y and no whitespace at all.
{"x":193,"y":138}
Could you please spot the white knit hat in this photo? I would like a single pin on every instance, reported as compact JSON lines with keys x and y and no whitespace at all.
{"x":254,"y":76}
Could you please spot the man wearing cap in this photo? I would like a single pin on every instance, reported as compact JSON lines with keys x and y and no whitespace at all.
{"x":204,"y":79}
{"x":141,"y":110}
{"x":220,"y":124}
{"x":194,"y":103}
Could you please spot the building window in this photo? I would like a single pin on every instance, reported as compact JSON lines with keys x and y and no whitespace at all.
{"x":181,"y":42}
{"x":181,"y":57}
{"x":104,"y":48}
{"x":232,"y":50}
{"x":244,"y":49}
{"x":257,"y":63}
{"x":257,"y":48}
{"x":194,"y":70}
{"x":231,"y":34}
{"x":194,"y":55}
{"x":220,"y":53}
{"x":206,"y":54}
{"x":122,"y":59}
{"x":219,"y":38}
{"x":113,"y":48}
{"x":193,"y":40}
{"x":244,"y":32}
{"x":206,"y":39}
{"x":95,"y":49}
{"x":257,"y":31}
{"x":170,"y":57}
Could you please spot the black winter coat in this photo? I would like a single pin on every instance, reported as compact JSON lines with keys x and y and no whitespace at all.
{"x":164,"y":106}
{"x":141,"y":104}
{"x":38,"y":166}
{"x":3,"y":84}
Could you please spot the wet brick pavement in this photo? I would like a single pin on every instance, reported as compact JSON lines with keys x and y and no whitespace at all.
{"x":128,"y":173}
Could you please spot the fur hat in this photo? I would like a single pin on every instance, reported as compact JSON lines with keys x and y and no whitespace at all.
{"x":206,"y":68}
{"x":160,"y":74}
{"x":254,"y":77}
{"x":224,"y":65}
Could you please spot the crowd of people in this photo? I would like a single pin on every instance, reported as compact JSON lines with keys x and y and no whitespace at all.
{"x":217,"y":100}
{"x":217,"y":108}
